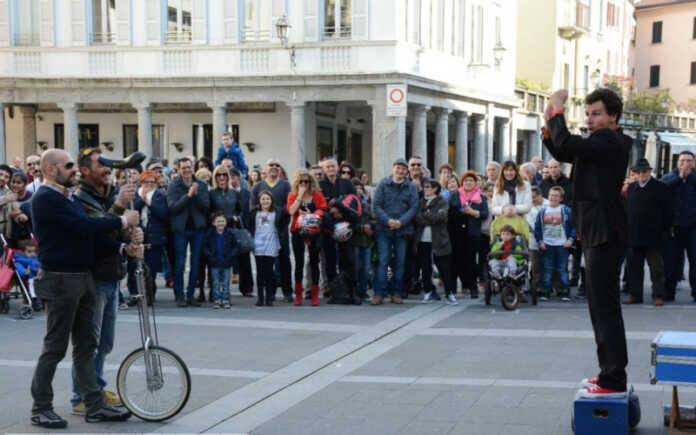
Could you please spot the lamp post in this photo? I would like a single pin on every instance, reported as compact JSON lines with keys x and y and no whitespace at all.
{"x":282,"y":29}
{"x":498,"y":53}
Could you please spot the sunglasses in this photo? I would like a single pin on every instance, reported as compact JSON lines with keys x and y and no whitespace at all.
{"x":345,"y":172}
{"x":221,"y":175}
{"x":67,"y":166}
{"x":274,"y":165}
{"x":304,"y":181}
{"x":416,"y":164}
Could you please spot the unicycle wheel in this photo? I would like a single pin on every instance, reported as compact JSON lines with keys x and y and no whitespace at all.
{"x":162,"y":394}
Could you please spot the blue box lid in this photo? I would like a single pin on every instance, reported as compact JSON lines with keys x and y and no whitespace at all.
{"x":675,"y":339}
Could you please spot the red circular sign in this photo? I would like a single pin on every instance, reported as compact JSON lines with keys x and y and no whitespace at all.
{"x":396,"y":96}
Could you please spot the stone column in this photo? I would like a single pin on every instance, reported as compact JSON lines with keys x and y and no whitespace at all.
{"x":490,"y":134}
{"x":461,"y":147}
{"x":70,"y":128}
{"x":28,"y":143}
{"x":480,"y":145}
{"x":3,"y":143}
{"x":297,"y":135}
{"x":534,"y":145}
{"x":144,"y":128}
{"x":219,"y":123}
{"x":504,"y":140}
{"x":419,"y":139}
{"x":388,"y":137}
{"x":442,"y":139}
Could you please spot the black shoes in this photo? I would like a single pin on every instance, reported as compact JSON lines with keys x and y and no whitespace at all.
{"x":192,"y":302}
{"x":107,"y":413}
{"x":49,"y":420}
{"x":180,"y":302}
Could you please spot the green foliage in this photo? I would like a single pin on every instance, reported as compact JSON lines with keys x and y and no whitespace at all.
{"x":528,"y":84}
{"x":650,"y":101}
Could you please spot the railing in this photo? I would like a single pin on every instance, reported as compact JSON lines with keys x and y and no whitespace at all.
{"x":99,"y":38}
{"x":26,"y":39}
{"x":176,"y":61}
{"x":183,"y":37}
{"x":102,"y":63}
{"x":259,"y":35}
{"x":681,"y":122}
{"x":336,"y":58}
{"x":27,"y":62}
{"x":254,"y":60}
{"x":344,"y":33}
{"x":533,"y":100}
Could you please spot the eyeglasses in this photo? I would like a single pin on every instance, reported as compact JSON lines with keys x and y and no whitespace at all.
{"x":304,"y":182}
{"x":149,"y":182}
{"x":416,"y":164}
{"x":67,"y":166}
{"x":221,"y":175}
{"x":274,"y":165}
{"x":345,"y":172}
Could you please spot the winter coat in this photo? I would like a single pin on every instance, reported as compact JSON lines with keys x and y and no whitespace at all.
{"x":235,"y":154}
{"x":360,"y":237}
{"x":27,"y":267}
{"x":599,"y":168}
{"x":434,"y":215}
{"x":464,"y":225}
{"x":229,"y":248}
{"x":181,"y":206}
{"x":523,"y":200}
{"x":650,"y":213}
{"x":158,"y":213}
{"x":683,"y":193}
{"x":563,"y":182}
{"x":516,"y":247}
{"x":395,"y":201}
{"x":226,"y":201}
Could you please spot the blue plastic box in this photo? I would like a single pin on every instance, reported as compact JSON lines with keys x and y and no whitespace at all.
{"x":674,"y":358}
{"x":601,"y":416}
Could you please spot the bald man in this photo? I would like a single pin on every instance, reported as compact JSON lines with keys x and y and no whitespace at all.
{"x":67,"y":237}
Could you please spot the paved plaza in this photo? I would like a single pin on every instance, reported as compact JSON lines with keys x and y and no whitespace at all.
{"x":401,"y":369}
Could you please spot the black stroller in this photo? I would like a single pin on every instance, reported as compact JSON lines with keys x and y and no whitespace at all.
{"x":9,"y":276}
{"x":511,"y":284}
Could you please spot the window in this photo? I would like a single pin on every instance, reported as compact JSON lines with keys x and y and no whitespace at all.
{"x":657,"y":32}
{"x":693,"y":73}
{"x":414,"y":21}
{"x":130,"y":139}
{"x":582,"y":15}
{"x":477,"y":35}
{"x":179,"y":21}
{"x":612,"y":15}
{"x":693,"y":35}
{"x":257,"y":20}
{"x":26,"y":31}
{"x":87,"y":136}
{"x":654,"y":76}
{"x":498,"y":31}
{"x":103,"y":21}
{"x":338,"y":19}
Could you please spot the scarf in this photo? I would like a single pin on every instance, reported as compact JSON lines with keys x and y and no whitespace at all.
{"x":511,"y":188}
{"x":144,"y":212}
{"x":473,"y":196}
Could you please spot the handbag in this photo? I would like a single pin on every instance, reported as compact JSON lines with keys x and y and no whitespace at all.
{"x":245,"y":243}
{"x":6,"y":274}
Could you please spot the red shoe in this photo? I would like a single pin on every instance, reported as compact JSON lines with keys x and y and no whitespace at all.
{"x":598,"y":392}
{"x":589,"y":383}
{"x":315,"y":295}
{"x":298,"y":295}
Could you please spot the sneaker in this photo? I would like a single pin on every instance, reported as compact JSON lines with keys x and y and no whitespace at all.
{"x":123,"y":306}
{"x":228,"y":305}
{"x":452,"y":299}
{"x":107,"y":413}
{"x":396,"y":299}
{"x":48,"y":419}
{"x":79,"y":409}
{"x":377,"y":300}
{"x":216,"y":305}
{"x":589,"y":383}
{"x":597,"y":392}
{"x":133,"y":301}
{"x":436,"y":296}
{"x":427,"y":297}
{"x":565,"y":295}
{"x":543,"y":297}
{"x":111,"y":399}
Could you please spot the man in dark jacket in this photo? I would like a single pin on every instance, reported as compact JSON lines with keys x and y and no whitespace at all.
{"x":649,"y":217}
{"x":599,"y":167}
{"x":97,"y":195}
{"x":557,"y":178}
{"x":246,"y":281}
{"x":334,"y":187}
{"x":189,"y":202}
{"x":682,"y":187}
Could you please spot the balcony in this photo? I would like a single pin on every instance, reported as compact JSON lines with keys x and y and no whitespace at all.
{"x":575,"y":26}
{"x":26,"y":39}
{"x":98,"y":38}
{"x":183,"y":37}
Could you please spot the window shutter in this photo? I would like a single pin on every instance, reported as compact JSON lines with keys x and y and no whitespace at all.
{"x":123,"y":30}
{"x":311,"y":22}
{"x":199,"y":23}
{"x":693,"y":73}
{"x":230,"y":21}
{"x":153,"y":27}
{"x":360,"y":20}
{"x":4,"y":23}
{"x":277,"y":10}
{"x":46,"y":29}
{"x":77,"y":22}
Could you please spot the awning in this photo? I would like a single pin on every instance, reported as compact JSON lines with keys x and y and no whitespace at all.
{"x":678,"y":142}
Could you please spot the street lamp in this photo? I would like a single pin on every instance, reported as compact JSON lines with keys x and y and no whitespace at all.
{"x":282,"y":30}
{"x":498,"y":53}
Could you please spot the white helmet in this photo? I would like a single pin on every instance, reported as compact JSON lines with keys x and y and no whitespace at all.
{"x":342,"y":232}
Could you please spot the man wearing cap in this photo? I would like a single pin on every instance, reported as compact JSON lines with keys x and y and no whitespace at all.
{"x":649,"y":216}
{"x":395,"y":204}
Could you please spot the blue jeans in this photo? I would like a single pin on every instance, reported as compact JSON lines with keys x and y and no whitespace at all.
{"x":181,"y":241}
{"x":388,"y":245}
{"x":362,"y":266}
{"x":104,"y":322}
{"x":221,"y":284}
{"x":555,"y":258}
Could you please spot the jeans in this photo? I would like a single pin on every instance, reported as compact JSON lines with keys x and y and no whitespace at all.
{"x":388,"y":244}
{"x":362,"y":267}
{"x":684,"y":238}
{"x":104,"y":323}
{"x":555,"y":259}
{"x":221,"y":284}
{"x":181,"y":241}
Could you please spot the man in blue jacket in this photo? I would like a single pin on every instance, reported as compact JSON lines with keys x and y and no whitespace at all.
{"x":229,"y":149}
{"x":682,"y":186}
{"x":395,"y":205}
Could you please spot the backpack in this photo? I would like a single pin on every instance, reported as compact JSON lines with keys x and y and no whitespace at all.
{"x":341,"y":291}
{"x":349,"y":205}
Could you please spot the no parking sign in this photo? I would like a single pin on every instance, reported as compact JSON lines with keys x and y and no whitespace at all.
{"x":396,"y":100}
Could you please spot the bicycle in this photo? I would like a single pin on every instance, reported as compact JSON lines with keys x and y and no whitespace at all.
{"x":166,"y":387}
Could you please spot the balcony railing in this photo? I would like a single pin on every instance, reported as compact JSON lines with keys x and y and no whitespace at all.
{"x":26,"y":39}
{"x":98,"y":38}
{"x":254,"y":35}
{"x":183,"y":37}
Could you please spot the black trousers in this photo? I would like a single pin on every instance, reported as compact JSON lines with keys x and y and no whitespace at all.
{"x":464,"y":262}
{"x":298,"y":249}
{"x":412,"y":268}
{"x":576,"y":252}
{"x":443,"y":263}
{"x":284,"y":260}
{"x":483,"y":250}
{"x":345,"y":260}
{"x":602,"y":267}
{"x":637,"y":256}
{"x":246,"y":279}
{"x":265,"y":280}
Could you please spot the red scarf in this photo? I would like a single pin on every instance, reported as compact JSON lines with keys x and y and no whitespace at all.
{"x":474,"y":196}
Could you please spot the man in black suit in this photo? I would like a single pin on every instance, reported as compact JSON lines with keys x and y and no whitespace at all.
{"x":649,"y":216}
{"x":599,"y":167}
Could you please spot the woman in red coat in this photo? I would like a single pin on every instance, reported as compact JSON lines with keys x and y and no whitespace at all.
{"x":306,"y":205}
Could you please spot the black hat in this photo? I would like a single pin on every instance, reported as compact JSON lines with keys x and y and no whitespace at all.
{"x":641,"y":164}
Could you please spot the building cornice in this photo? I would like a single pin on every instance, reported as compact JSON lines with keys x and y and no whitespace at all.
{"x":639,"y":8}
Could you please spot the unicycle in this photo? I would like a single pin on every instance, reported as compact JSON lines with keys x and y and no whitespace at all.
{"x":153,"y":382}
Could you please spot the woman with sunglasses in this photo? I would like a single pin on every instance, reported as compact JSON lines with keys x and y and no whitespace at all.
{"x":222,"y":197}
{"x":347,"y":171}
{"x":305,"y":198}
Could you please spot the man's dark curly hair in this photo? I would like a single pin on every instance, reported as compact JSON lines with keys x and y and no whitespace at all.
{"x":612,"y":102}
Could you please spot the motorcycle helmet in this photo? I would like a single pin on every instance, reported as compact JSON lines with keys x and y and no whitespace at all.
{"x":309,"y":225}
{"x":342,"y":232}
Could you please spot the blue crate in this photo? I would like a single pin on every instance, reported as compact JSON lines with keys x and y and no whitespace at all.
{"x":601,"y":416}
{"x":674,"y":358}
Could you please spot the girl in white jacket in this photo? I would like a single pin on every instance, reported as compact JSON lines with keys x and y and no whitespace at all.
{"x":511,"y":190}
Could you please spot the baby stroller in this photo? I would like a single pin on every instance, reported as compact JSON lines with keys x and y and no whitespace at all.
{"x":512,"y":285}
{"x":8,"y":276}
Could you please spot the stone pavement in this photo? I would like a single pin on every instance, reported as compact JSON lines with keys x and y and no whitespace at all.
{"x":406,"y":369}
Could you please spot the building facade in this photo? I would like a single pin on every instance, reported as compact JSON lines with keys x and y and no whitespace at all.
{"x":665,"y":48}
{"x":168,"y":77}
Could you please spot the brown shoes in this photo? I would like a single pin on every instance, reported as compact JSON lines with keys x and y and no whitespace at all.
{"x":658,"y":302}
{"x":631,"y":301}
{"x":396,"y":299}
{"x":377,"y":300}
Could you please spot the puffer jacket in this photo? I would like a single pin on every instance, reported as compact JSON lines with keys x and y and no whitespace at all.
{"x":434,"y":214}
{"x":395,"y":201}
